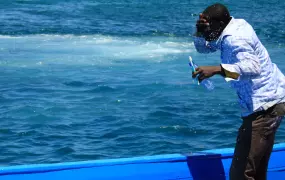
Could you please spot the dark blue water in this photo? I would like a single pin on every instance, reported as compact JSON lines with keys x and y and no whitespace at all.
{"x":86,"y":80}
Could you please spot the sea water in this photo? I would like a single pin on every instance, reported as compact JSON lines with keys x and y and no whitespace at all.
{"x":94,"y":79}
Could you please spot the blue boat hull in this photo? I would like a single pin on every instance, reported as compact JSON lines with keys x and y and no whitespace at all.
{"x":205,"y":165}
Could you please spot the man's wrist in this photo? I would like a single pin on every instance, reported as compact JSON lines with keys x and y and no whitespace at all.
{"x":219,"y":70}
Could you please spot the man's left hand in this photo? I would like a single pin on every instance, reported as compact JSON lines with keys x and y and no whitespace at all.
{"x":206,"y":72}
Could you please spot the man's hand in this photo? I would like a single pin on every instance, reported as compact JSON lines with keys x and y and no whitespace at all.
{"x":206,"y":72}
{"x":202,"y":24}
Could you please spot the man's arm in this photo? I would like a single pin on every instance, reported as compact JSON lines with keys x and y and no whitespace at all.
{"x":202,"y":46}
{"x":245,"y":63}
{"x":208,"y":71}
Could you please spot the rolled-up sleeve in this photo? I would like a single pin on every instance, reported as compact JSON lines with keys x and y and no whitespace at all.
{"x":202,"y":45}
{"x":243,"y":60}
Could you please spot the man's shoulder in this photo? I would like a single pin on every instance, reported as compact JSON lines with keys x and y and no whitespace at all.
{"x":239,"y":33}
{"x":237,"y":43}
{"x":238,"y":29}
{"x":240,"y":21}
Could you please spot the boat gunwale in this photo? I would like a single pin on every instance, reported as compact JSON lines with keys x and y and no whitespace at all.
{"x":224,"y":153}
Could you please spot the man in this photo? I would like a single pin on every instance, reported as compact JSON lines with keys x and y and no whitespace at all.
{"x":258,"y":82}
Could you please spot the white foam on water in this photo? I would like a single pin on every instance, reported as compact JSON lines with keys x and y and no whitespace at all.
{"x":89,"y":49}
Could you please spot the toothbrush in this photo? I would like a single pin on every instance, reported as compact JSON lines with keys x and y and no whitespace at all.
{"x":192,"y":65}
{"x":191,"y":62}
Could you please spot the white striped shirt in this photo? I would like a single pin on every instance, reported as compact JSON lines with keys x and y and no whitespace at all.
{"x":260,"y":84}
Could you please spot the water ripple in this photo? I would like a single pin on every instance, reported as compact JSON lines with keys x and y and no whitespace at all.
{"x":119,"y":84}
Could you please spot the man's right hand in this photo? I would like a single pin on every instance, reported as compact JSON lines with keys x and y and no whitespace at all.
{"x":201,"y":25}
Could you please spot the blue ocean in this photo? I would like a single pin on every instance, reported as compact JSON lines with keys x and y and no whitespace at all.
{"x":101,"y":79}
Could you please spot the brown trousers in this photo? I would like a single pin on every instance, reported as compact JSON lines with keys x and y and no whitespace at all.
{"x":254,"y":144}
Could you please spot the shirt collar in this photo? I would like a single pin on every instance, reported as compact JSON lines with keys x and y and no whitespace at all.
{"x":226,"y":31}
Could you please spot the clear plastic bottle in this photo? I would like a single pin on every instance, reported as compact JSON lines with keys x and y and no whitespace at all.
{"x":206,"y":82}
